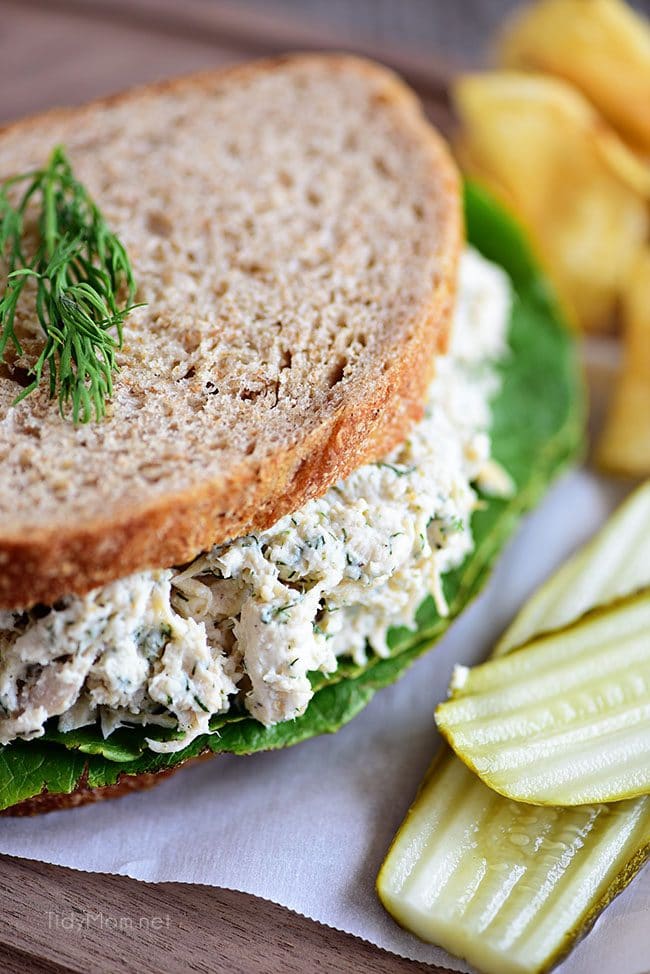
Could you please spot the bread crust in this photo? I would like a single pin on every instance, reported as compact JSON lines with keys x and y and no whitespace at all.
{"x":126,"y":784}
{"x":47,"y":563}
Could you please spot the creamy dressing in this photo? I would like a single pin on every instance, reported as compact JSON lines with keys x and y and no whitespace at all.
{"x":254,"y":617}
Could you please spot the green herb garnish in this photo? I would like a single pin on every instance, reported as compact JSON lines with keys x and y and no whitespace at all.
{"x":79,"y":267}
{"x":398,"y":471}
{"x":199,"y":703}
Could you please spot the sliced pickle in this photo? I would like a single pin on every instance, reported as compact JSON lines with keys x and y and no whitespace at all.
{"x":508,"y":886}
{"x":615,"y":562}
{"x":564,"y":720}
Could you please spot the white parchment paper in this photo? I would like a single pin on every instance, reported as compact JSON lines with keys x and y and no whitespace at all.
{"x":309,"y":827}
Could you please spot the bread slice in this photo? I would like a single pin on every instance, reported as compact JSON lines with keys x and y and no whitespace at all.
{"x":85,"y":794}
{"x":294,"y":227}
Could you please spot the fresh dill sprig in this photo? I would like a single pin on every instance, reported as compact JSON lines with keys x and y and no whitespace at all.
{"x":79,"y":267}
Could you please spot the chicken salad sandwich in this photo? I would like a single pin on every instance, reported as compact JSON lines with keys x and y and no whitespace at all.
{"x":325,"y":413}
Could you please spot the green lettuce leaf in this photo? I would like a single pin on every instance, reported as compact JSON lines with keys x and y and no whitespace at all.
{"x":537,"y":429}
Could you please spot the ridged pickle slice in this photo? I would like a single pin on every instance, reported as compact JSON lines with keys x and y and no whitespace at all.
{"x":615,"y":562}
{"x":564,"y":720}
{"x":508,"y":886}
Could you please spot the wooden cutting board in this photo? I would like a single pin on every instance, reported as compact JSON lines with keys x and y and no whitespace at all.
{"x":66,"y":51}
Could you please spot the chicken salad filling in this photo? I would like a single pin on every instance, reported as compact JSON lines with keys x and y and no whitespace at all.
{"x":247,"y":623}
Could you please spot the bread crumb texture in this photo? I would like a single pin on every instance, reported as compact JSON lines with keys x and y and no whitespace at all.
{"x":294,"y":229}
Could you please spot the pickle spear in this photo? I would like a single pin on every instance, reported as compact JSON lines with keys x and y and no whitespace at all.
{"x":507,"y":886}
{"x":564,"y":720}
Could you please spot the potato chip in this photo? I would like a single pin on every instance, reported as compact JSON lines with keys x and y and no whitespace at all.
{"x":538,"y":142}
{"x":632,"y":168}
{"x":600,"y":46}
{"x":625,"y":444}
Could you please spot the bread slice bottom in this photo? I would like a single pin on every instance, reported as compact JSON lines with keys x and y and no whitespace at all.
{"x":126,"y":784}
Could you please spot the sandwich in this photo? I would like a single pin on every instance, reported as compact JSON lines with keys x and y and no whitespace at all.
{"x":329,"y":407}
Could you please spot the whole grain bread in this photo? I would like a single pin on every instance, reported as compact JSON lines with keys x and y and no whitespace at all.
{"x":85,"y":794}
{"x":294,"y":227}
